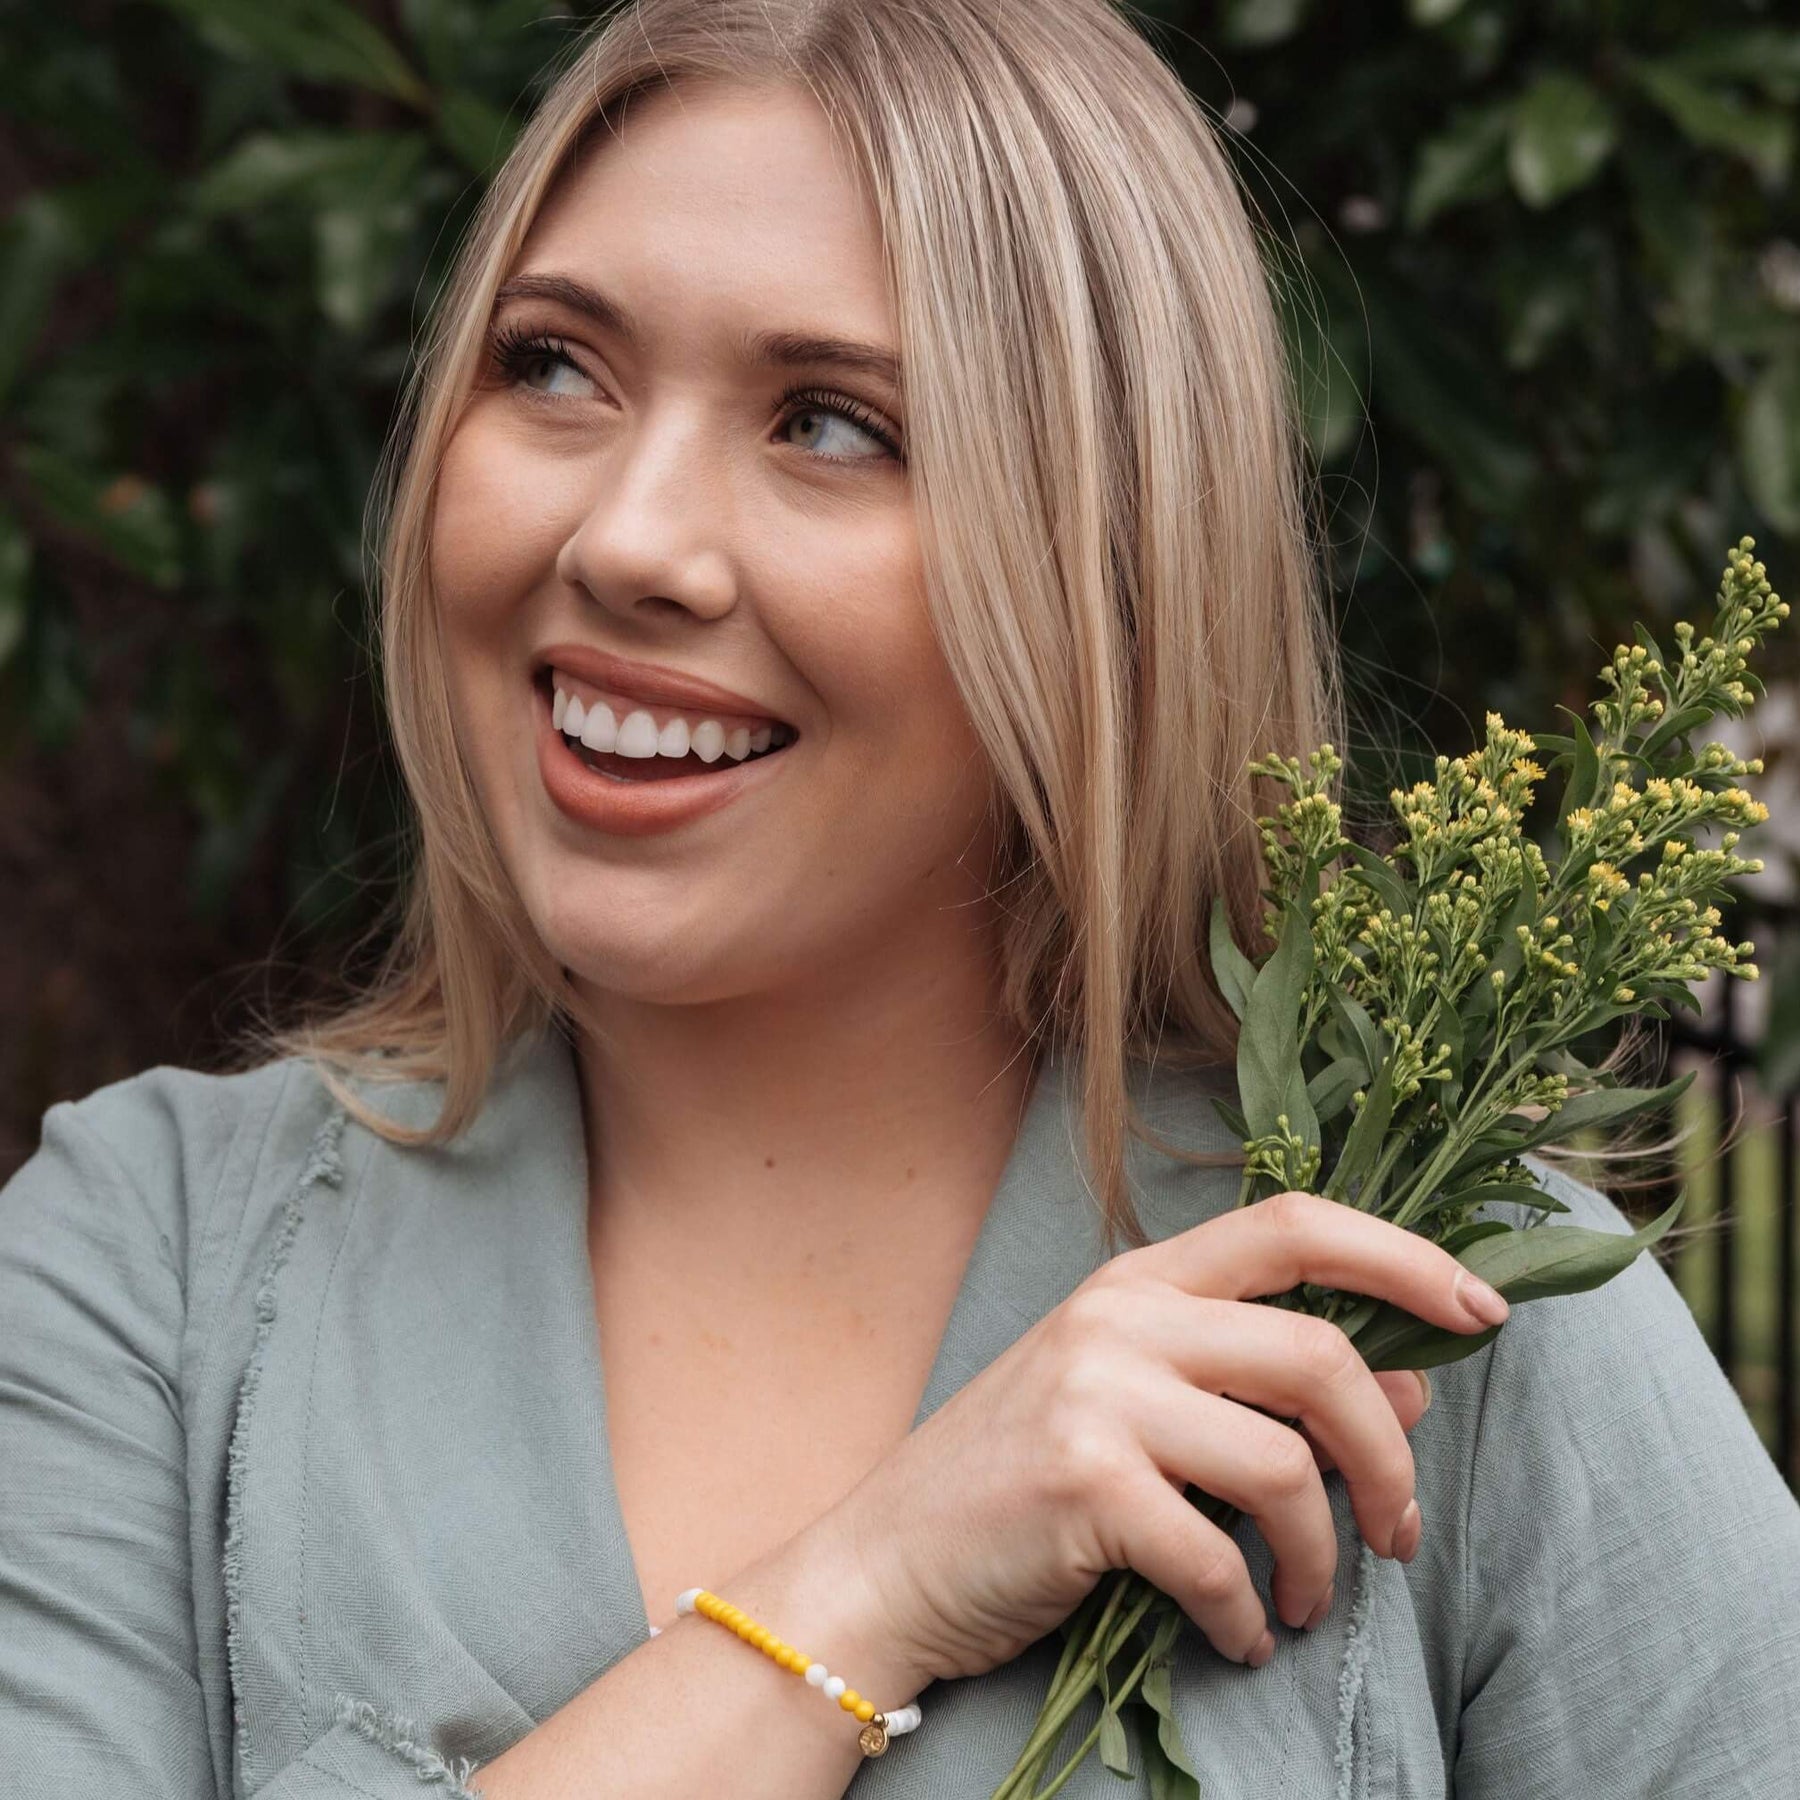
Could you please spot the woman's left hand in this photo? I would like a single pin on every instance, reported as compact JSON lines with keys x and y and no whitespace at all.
{"x":1408,"y":1392}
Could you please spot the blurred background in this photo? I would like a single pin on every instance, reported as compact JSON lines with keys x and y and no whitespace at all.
{"x":1540,"y":265}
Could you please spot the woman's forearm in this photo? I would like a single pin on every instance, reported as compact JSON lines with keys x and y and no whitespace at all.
{"x":696,"y":1712}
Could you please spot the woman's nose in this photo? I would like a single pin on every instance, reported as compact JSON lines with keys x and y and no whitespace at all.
{"x":657,"y":522}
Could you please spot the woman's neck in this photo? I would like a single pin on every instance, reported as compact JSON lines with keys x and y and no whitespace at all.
{"x":866,"y":1104}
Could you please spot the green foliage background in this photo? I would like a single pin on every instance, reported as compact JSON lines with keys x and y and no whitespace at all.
{"x":1541,"y":271}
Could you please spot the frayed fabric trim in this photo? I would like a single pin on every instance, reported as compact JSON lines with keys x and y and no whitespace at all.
{"x":401,"y":1736}
{"x":323,"y":1164}
{"x":1350,"y":1673}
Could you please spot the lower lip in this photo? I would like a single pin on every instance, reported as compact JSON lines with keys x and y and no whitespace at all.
{"x":636,"y":808}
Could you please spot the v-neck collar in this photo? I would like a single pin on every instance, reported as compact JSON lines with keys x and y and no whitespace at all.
{"x":1041,"y":1235}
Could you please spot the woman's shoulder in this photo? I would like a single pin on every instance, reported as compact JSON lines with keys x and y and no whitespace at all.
{"x":149,"y":1175}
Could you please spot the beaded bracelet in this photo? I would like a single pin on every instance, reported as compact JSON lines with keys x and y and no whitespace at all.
{"x":877,"y":1727}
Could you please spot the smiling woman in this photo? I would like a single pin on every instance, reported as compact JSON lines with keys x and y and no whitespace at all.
{"x":846,"y":540}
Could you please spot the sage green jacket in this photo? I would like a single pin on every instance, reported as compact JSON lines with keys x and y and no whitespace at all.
{"x":304,"y":1488}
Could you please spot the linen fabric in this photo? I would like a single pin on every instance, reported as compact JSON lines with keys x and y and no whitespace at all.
{"x":304,"y":1487}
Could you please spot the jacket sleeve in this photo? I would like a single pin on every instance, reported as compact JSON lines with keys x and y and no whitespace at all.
{"x":1632,"y":1558}
{"x":100,"y":1691}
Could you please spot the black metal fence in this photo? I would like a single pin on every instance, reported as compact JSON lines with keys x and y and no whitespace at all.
{"x":1748,"y":1306}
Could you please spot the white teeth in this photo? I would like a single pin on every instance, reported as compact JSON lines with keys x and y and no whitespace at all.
{"x":637,"y":735}
{"x":600,"y":731}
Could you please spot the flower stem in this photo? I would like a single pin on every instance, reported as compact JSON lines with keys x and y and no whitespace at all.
{"x":1050,"y":1719}
{"x":1122,"y":1693}
{"x":1136,"y":1596}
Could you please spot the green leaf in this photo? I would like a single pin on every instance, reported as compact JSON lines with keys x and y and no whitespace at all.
{"x":39,"y":244}
{"x":1159,"y":1697}
{"x":1450,"y":1031}
{"x":1328,"y":358}
{"x":1585,"y":775}
{"x":317,"y":166}
{"x":1603,"y":1106}
{"x":1330,"y":1090}
{"x":1562,"y":131}
{"x":1489,"y":1193}
{"x":1684,"y":720}
{"x":480,"y":135}
{"x":1363,"y":1145}
{"x":1270,"y":1080}
{"x":1538,"y":1263}
{"x":123,"y":516}
{"x":1432,"y":12}
{"x":1430,"y":377}
{"x":15,"y":571}
{"x":1471,"y":1231}
{"x":1232,"y":969}
{"x":1545,"y":1261}
{"x":1762,"y":135}
{"x":1235,"y":1122}
{"x":1113,"y":1750}
{"x":1252,"y":24}
{"x":1768,"y":442}
{"x":1763,"y":56}
{"x":1380,"y":875}
{"x":1356,"y":1017}
{"x":1466,"y":162}
{"x":319,"y":40}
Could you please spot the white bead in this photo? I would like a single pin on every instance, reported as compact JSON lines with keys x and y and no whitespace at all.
{"x":904,"y":1720}
{"x":834,"y":1685}
{"x":816,"y":1674}
{"x":684,"y":1602}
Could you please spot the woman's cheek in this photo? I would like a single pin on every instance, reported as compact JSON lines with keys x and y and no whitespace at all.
{"x":499,"y":519}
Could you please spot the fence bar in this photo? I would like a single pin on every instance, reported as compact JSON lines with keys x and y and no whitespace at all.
{"x":1787,"y":1372}
{"x":1725,"y":1070}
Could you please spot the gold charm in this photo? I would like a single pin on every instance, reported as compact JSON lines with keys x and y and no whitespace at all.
{"x":874,"y":1737}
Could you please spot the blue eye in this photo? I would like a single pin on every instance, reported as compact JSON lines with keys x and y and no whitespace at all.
{"x":533,"y":361}
{"x":518,"y":354}
{"x":820,"y":404}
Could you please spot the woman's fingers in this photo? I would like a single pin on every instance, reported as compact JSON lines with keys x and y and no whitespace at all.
{"x":1292,"y":1238}
{"x":1291,"y":1366}
{"x":1265,"y":1469}
{"x":1167,"y":1541}
{"x":1406,"y":1392}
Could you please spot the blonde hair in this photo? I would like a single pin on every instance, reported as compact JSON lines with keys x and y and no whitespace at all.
{"x":1121,"y":567}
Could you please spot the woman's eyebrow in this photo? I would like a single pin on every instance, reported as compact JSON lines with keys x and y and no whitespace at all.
{"x":786,"y":349}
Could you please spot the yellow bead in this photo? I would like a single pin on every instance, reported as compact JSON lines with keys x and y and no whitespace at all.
{"x":797,"y":1660}
{"x":849,"y":1699}
{"x":865,"y":1710}
{"x":759,"y":1637}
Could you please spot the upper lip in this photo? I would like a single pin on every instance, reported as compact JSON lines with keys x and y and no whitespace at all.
{"x":650,"y":681}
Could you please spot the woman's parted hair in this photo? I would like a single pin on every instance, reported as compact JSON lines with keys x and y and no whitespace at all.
{"x":1121,"y":567}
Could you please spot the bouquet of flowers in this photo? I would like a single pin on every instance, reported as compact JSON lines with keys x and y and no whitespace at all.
{"x":1411,"y":1035}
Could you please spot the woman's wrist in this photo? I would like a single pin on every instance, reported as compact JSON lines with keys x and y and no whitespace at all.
{"x":817,"y":1592}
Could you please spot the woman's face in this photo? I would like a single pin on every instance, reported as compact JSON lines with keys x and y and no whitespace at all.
{"x":637,"y":485}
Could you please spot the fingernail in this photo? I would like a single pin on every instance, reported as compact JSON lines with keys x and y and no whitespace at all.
{"x":1264,"y":1650}
{"x":1407,"y":1533}
{"x":1482,"y":1303}
{"x":1316,"y":1617}
{"x":1424,"y":1384}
